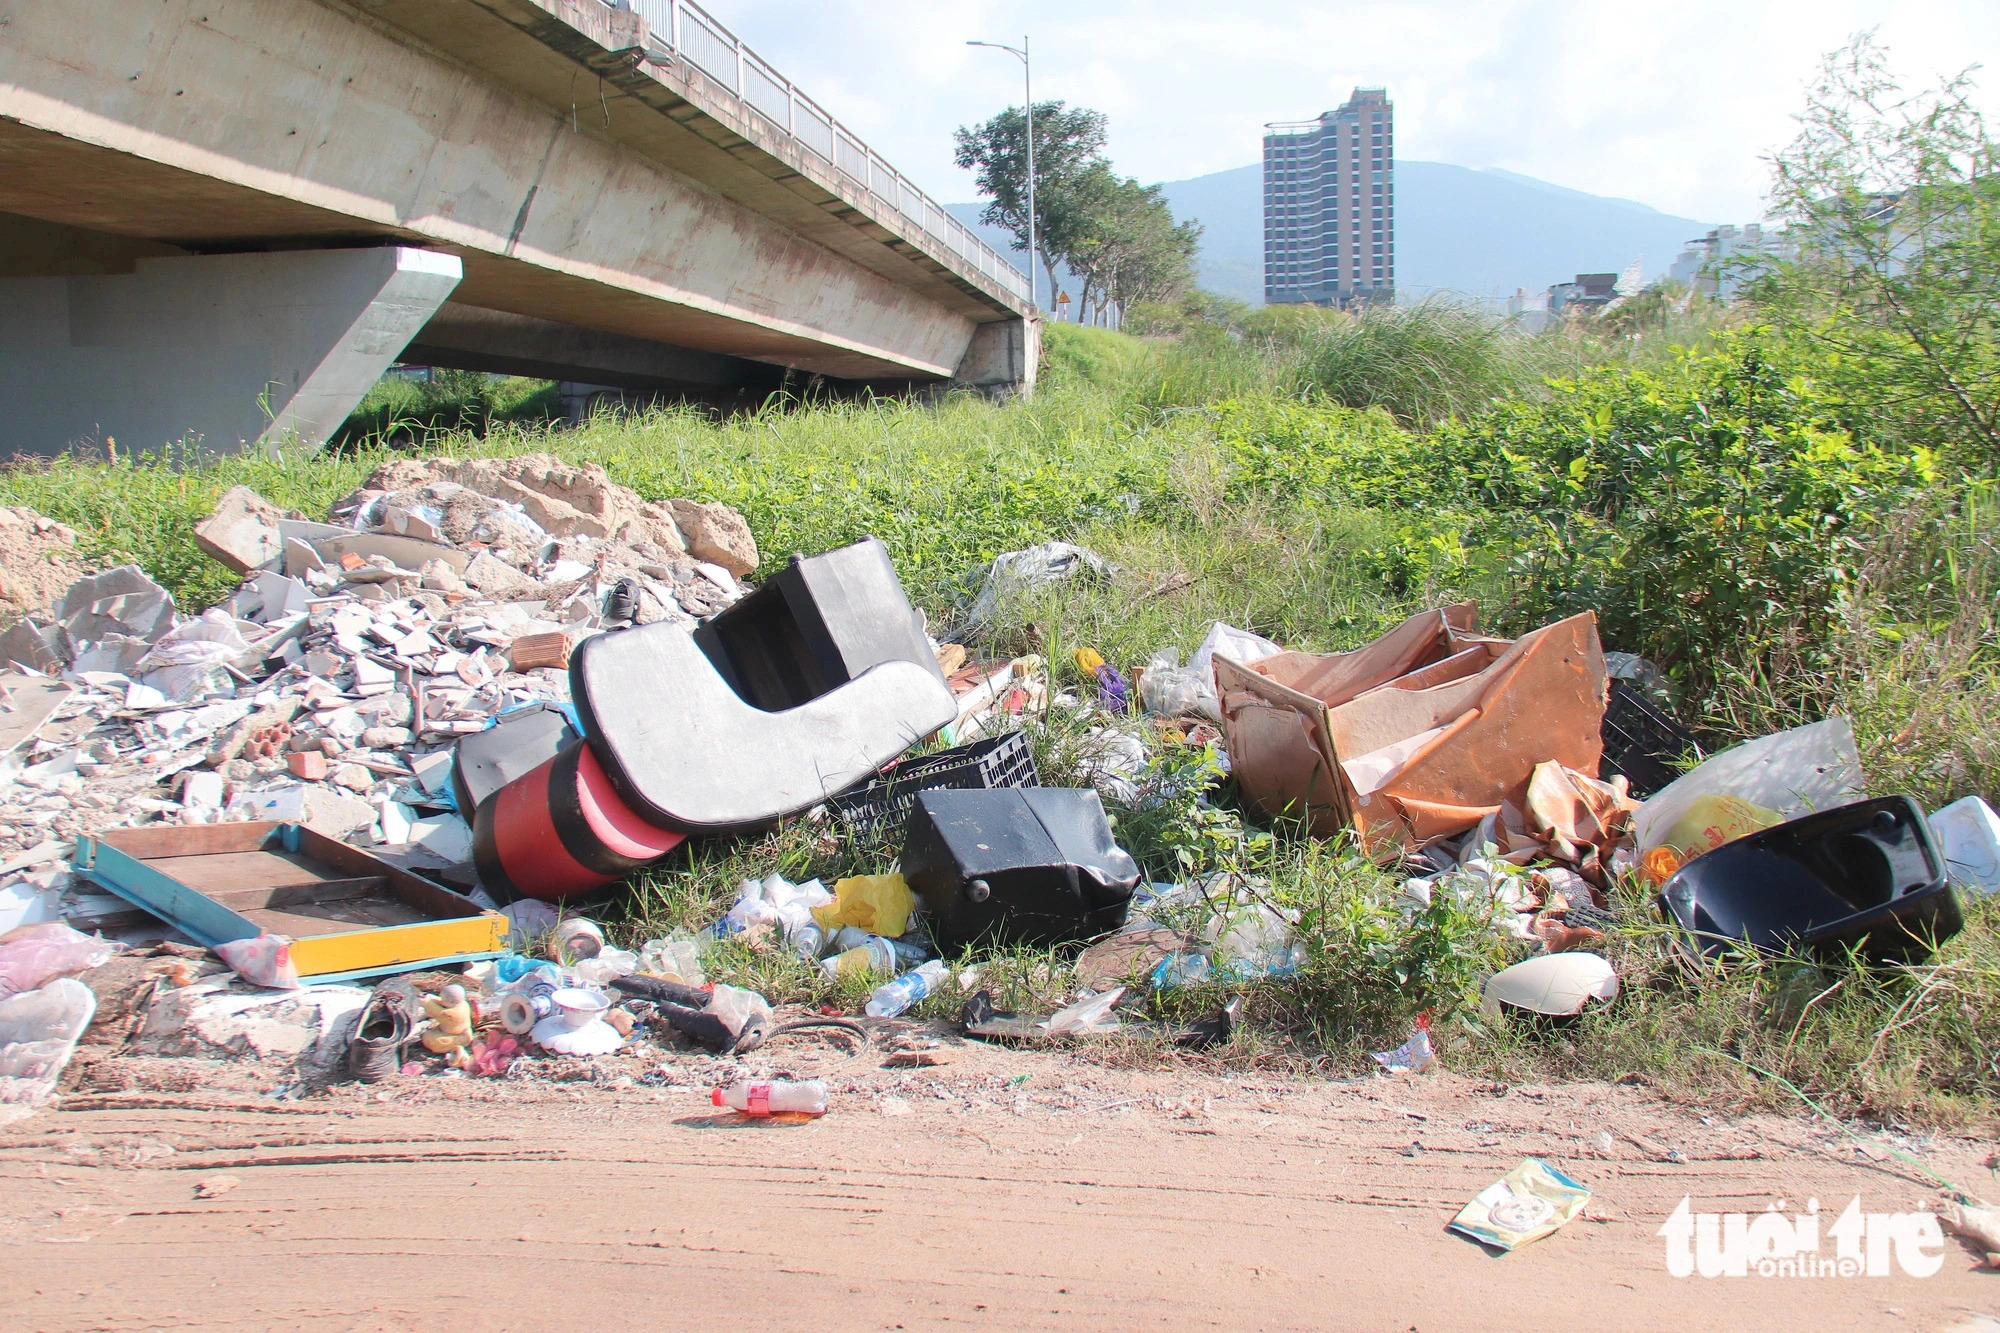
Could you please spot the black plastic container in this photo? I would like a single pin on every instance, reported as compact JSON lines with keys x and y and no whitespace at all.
{"x":1035,"y":867}
{"x":1641,"y":741}
{"x":1868,"y":875}
{"x":883,"y":803}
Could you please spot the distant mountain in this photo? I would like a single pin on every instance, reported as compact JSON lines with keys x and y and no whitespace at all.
{"x":1481,"y":233}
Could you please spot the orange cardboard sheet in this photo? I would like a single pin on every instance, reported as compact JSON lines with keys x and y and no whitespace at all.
{"x":1418,"y":735}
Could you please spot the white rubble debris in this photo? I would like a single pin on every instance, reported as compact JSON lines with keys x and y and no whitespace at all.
{"x":372,"y":643}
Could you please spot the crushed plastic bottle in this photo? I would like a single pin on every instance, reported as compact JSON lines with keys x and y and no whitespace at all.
{"x":773,"y":1098}
{"x":677,"y":957}
{"x":875,"y":955}
{"x":808,"y":941}
{"x":893,"y":997}
{"x":748,"y":910}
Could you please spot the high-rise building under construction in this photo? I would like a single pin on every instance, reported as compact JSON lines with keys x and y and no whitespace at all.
{"x":1330,"y":204}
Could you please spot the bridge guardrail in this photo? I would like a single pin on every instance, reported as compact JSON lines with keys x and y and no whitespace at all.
{"x":684,"y":30}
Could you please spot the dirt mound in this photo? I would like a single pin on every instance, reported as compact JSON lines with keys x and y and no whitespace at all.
{"x":38,"y":562}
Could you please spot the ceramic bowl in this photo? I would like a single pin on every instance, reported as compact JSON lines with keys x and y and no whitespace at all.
{"x":578,"y":1007}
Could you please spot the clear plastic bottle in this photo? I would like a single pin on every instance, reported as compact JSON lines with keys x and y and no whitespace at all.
{"x":848,"y":937}
{"x":808,"y":941}
{"x":773,"y":1098}
{"x":893,"y":997}
{"x":911,"y":952}
{"x":876,"y":955}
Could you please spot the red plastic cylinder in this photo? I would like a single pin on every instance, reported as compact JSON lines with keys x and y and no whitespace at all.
{"x":560,"y":829}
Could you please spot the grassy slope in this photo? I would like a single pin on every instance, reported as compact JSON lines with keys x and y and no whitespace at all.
{"x":1115,"y":452}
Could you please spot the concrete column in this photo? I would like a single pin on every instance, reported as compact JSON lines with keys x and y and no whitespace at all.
{"x":220,"y":351}
{"x":1002,"y":358}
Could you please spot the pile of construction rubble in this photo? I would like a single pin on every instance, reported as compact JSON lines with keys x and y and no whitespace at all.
{"x":329,"y":690}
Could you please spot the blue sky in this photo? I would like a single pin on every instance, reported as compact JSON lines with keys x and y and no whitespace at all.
{"x":1672,"y":104}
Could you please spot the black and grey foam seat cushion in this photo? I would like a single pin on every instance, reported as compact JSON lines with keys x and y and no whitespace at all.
{"x":518,"y":741}
{"x":686,"y":752}
{"x":816,"y":624}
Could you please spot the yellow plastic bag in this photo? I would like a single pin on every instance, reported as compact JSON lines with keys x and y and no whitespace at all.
{"x":878,"y":904}
{"x":1088,"y":660}
{"x":1710,"y":821}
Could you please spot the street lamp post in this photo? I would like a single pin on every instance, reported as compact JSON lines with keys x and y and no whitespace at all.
{"x":1028,"y":94}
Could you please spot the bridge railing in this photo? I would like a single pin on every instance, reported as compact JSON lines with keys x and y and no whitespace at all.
{"x":683,"y":29}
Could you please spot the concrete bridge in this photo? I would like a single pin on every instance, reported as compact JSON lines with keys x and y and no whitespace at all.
{"x":223,"y":219}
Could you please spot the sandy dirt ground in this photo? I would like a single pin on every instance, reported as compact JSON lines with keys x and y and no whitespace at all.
{"x":1004,"y":1188}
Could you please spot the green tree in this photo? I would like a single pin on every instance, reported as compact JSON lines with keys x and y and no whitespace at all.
{"x":1893,"y":203}
{"x":1128,"y":248}
{"x":1069,"y":146}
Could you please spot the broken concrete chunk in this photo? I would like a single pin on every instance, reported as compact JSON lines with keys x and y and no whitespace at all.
{"x":29,"y":645}
{"x":333,"y":814}
{"x":242,"y":531}
{"x":353,"y":777}
{"x":437,"y":576}
{"x":118,"y":601}
{"x":557,"y":517}
{"x":718,"y":534}
{"x":490,"y":576}
{"x":656,"y":524}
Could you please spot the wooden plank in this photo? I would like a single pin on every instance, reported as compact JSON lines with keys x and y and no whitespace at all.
{"x":370,"y":949}
{"x":290,"y":895}
{"x":188,"y":910}
{"x":147,"y":844}
{"x":433,"y":900}
{"x":307,"y":920}
{"x":227,"y":872}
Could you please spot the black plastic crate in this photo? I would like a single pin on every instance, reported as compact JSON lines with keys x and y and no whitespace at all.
{"x":1641,"y":741}
{"x":884,"y":802}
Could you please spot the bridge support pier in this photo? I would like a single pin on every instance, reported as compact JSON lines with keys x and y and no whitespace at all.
{"x":218,"y":350}
{"x":1002,"y":358}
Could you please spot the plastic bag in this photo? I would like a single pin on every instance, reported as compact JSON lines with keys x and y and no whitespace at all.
{"x":32,"y":956}
{"x":677,"y":956}
{"x":1087,"y":1016}
{"x":1018,"y":572}
{"x":1813,"y":767}
{"x":878,"y":904}
{"x":608,"y":966}
{"x":1526,"y":1204}
{"x":738,"y":1008}
{"x":1254,"y":941}
{"x":1238,"y":645}
{"x":262,"y":960}
{"x":1167,"y":688}
{"x":527,"y":921}
{"x":38,"y":1035}
{"x":187,"y":662}
{"x":1413,"y":1056}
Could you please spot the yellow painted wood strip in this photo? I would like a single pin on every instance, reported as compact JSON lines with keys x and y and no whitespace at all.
{"x":354,"y":950}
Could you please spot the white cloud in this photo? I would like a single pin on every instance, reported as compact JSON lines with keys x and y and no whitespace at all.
{"x":1673,"y":104}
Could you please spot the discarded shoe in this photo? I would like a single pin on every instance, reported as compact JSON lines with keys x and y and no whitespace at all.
{"x":621,"y":603}
{"x":376,"y":1051}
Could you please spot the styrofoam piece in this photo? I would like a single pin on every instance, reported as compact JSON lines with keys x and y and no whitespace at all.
{"x":595,"y":1037}
{"x":1969,"y":832}
{"x":1553,"y":983}
{"x":1814,"y":767}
